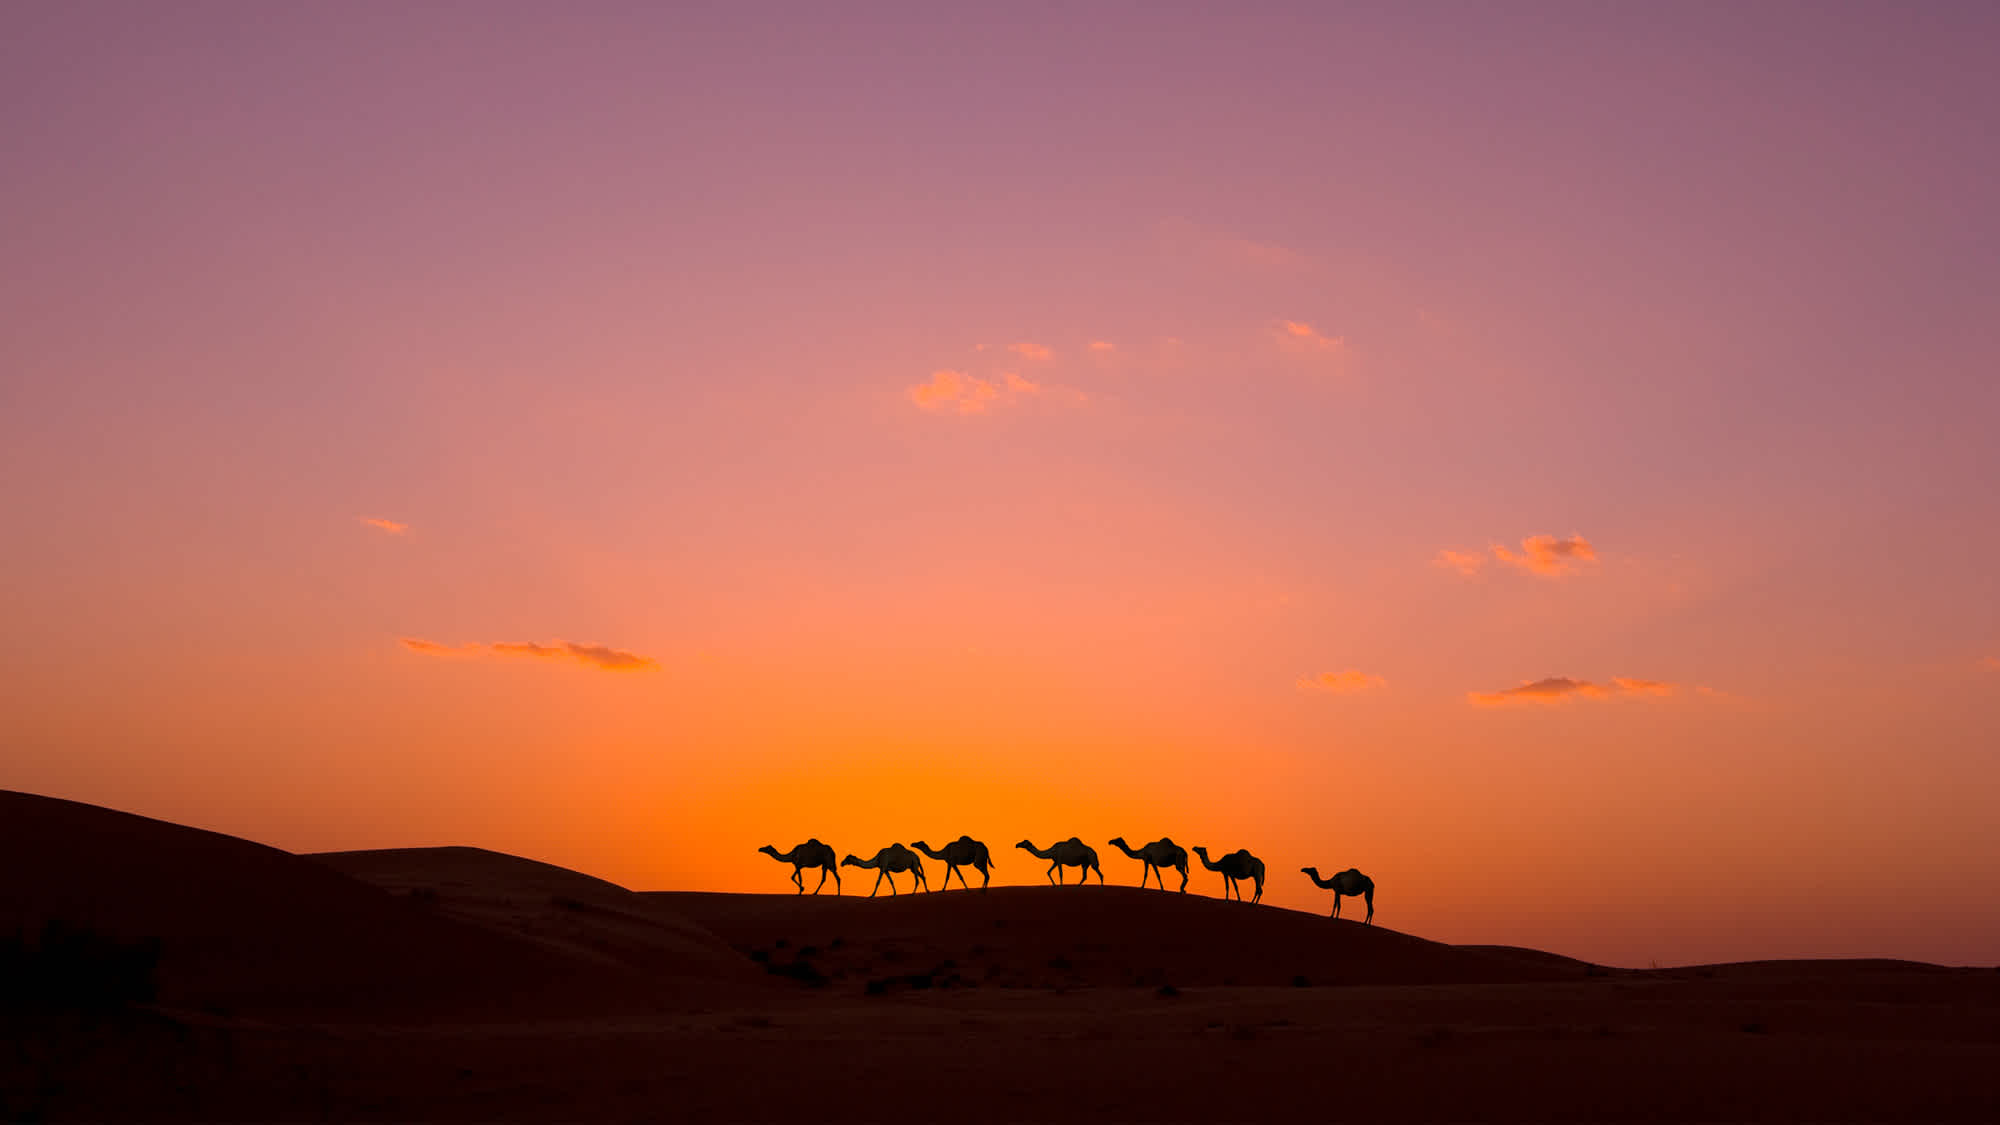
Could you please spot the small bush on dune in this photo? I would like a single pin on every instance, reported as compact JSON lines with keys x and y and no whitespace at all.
{"x":71,"y":967}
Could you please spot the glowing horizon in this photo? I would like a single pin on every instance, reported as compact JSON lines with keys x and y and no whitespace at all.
{"x":1546,"y":466}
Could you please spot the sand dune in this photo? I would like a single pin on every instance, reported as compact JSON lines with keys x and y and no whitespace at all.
{"x":563,"y":910}
{"x":463,"y":984}
{"x":250,"y":929}
{"x":1093,"y":936}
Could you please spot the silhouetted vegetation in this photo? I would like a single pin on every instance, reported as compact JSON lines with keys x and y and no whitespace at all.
{"x":67,"y":966}
{"x":805,"y":972}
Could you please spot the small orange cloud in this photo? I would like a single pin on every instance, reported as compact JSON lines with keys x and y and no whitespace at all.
{"x":1464,"y":562}
{"x":390,"y":526}
{"x":1027,"y":349}
{"x":1102,"y":346}
{"x":1990,"y":663}
{"x":1641,"y":687}
{"x":1300,"y":333}
{"x":1562,"y":689}
{"x":954,"y":392}
{"x":1548,"y":555}
{"x":596,"y":656}
{"x":1341,"y":683}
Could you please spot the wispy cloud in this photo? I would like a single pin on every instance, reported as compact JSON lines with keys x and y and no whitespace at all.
{"x":595,"y":656}
{"x":956,"y":392}
{"x":1299,"y":334}
{"x":1102,"y":347}
{"x":1547,"y":556}
{"x":1341,"y":683}
{"x":1236,"y":250}
{"x":1464,"y":562}
{"x":1029,"y":350}
{"x":390,"y":526}
{"x":1990,"y":663}
{"x":1562,"y":689}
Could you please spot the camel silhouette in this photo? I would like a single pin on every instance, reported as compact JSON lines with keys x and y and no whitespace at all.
{"x":1234,"y":866}
{"x":1348,"y":882}
{"x":887,"y":862}
{"x":962,"y":852}
{"x":812,"y":853}
{"x":1067,"y":853}
{"x":1157,"y":856}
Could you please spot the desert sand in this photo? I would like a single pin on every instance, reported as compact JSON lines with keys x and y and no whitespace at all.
{"x":463,"y":984}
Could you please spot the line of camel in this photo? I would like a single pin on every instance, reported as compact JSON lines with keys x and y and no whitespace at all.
{"x":1237,"y":867}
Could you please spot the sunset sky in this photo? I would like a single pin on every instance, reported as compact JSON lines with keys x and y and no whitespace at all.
{"x":1542,"y":455}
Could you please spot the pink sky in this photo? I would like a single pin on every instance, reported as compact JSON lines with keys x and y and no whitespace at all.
{"x":1542,"y":456}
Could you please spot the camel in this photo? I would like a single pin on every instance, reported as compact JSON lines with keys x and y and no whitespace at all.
{"x":812,"y":853}
{"x":887,"y":862}
{"x":1157,"y":857}
{"x":1348,"y":882}
{"x":1234,"y":866}
{"x":1067,"y":853}
{"x":962,"y":852}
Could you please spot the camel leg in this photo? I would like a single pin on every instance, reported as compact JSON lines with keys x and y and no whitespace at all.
{"x":836,"y":880}
{"x":1370,"y":898}
{"x":1336,"y":905}
{"x":1100,"y":875}
{"x":985,"y":878}
{"x":822,"y":881}
{"x":1055,"y":874}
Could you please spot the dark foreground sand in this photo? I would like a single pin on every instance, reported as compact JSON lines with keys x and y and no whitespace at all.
{"x":459,"y":984}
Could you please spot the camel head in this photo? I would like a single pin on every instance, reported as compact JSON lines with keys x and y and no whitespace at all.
{"x":1026,"y":844}
{"x":921,"y":846}
{"x":771,"y":851}
{"x":850,"y":861}
{"x":1202,"y":852}
{"x":1312,"y":871}
{"x":1118,"y":841}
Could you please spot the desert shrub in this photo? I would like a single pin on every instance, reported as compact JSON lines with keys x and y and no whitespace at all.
{"x":805,"y":972}
{"x":1169,"y":991}
{"x":1301,"y":981}
{"x":73,"y":967}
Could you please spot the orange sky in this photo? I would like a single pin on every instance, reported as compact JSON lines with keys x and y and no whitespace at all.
{"x":1551,"y":472}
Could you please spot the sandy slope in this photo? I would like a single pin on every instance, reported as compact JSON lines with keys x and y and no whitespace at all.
{"x":250,"y":930}
{"x":565,"y":911}
{"x":1091,"y":936}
